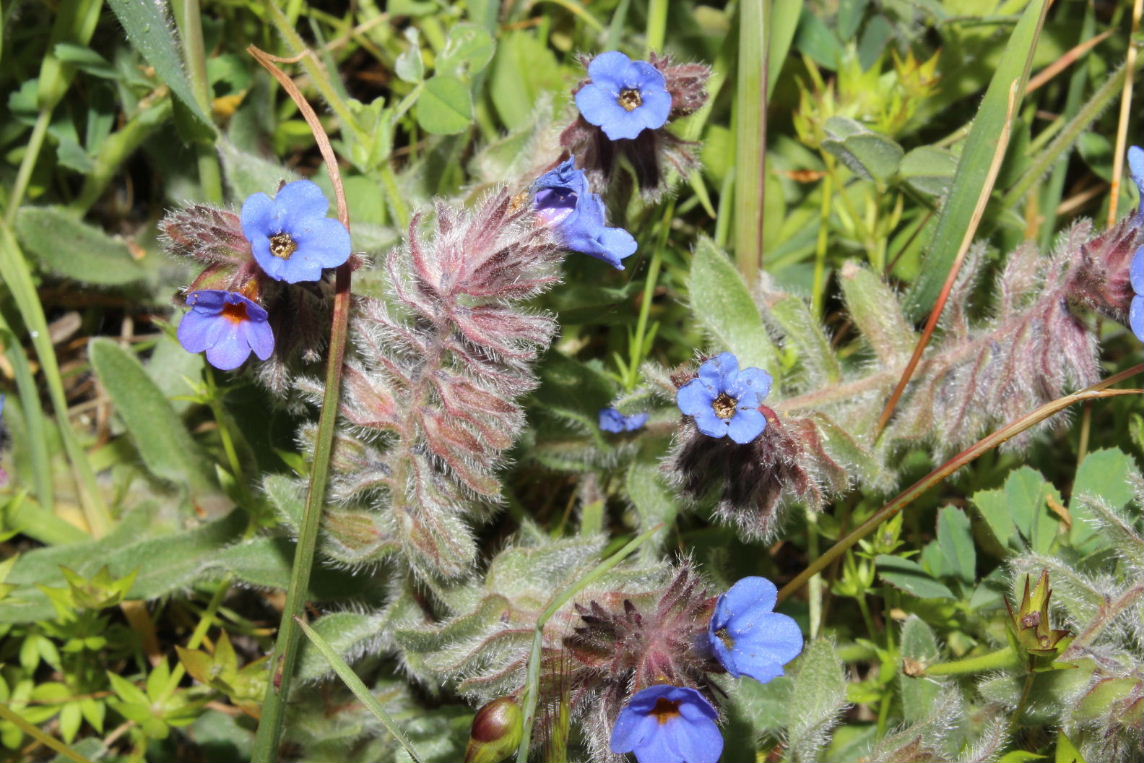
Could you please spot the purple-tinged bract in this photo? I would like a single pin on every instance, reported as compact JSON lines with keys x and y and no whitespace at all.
{"x":747,"y":636}
{"x":227,"y":326}
{"x":564,"y":202}
{"x":290,"y":235}
{"x":624,"y":97}
{"x":611,"y":420}
{"x":668,"y":724}
{"x":725,"y":400}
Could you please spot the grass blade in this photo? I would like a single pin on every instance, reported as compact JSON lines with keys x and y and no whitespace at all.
{"x":360,"y":690}
{"x":977,"y":156}
{"x":750,"y":138}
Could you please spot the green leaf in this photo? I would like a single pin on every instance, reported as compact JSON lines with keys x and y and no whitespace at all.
{"x":954,"y":535}
{"x":929,"y":169}
{"x":468,"y":50}
{"x":409,"y":65}
{"x":159,"y":435}
{"x":524,"y":70}
{"x":722,"y":303}
{"x":653,"y":502}
{"x":1067,"y":752}
{"x":876,"y":311}
{"x":1105,"y":474}
{"x":247,"y":174}
{"x":69,"y":247}
{"x":869,"y":154}
{"x":445,"y":106}
{"x":977,"y":156}
{"x":919,"y":649}
{"x":804,"y":333}
{"x":908,"y":576}
{"x":150,"y":31}
{"x":349,"y":634}
{"x":817,"y":700}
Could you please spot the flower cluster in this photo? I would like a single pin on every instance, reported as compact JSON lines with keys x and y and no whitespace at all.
{"x":287,"y":239}
{"x":576,"y":215}
{"x":669,"y":723}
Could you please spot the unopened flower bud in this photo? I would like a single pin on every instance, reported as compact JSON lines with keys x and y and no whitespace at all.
{"x":496,"y":732}
{"x":1031,"y":625}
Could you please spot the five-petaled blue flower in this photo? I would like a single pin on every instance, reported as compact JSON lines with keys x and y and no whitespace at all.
{"x":747,"y":636}
{"x":290,"y":235}
{"x":612,"y":420}
{"x":565,"y":203}
{"x":228,"y":326}
{"x":625,"y":97}
{"x":725,"y":401}
{"x":668,"y":724}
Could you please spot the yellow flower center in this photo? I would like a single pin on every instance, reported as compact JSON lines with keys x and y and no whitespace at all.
{"x":283,"y":245}
{"x":630,"y":99}
{"x":665,"y":710}
{"x":725,"y":406}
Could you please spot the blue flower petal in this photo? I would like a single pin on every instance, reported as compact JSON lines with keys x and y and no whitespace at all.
{"x":696,"y":396}
{"x":259,"y":215}
{"x":697,"y":739}
{"x":1136,"y":317}
{"x":611,"y":420}
{"x":197,"y":331}
{"x":716,"y":370}
{"x":632,"y":730}
{"x":749,"y":593}
{"x":710,"y":424}
{"x":636,"y":421}
{"x":599,"y":106}
{"x":746,"y":425}
{"x":259,"y":336}
{"x":624,"y":125}
{"x":615,"y":245}
{"x":752,"y":379}
{"x":762,"y":641}
{"x":692,"y":736}
{"x":1136,"y":271}
{"x":1136,"y":167}
{"x":302,"y":199}
{"x":610,"y":68}
{"x":230,"y":352}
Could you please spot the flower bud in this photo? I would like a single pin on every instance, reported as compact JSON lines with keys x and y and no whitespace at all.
{"x":496,"y":731}
{"x":1031,"y":625}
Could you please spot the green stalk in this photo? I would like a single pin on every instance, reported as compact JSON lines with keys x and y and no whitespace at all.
{"x":750,"y":138}
{"x":189,"y":16}
{"x":818,"y":290}
{"x":34,"y":423}
{"x":27,"y":164}
{"x":999,"y":660}
{"x":36,"y":733}
{"x":532,"y":684}
{"x":967,"y":456}
{"x":656,"y":26}
{"x":637,"y":349}
{"x":286,"y":648}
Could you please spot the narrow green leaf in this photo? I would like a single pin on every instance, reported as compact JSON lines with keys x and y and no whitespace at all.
{"x":955,"y":537}
{"x":445,"y":106}
{"x":784,"y":23}
{"x":72,"y":248}
{"x":929,"y":169}
{"x":1067,"y":752}
{"x":804,"y":333}
{"x":149,"y":28}
{"x":876,"y":311}
{"x":247,"y":174}
{"x":653,"y":502}
{"x":977,"y":156}
{"x":722,"y":303}
{"x":349,"y":634}
{"x":750,"y":119}
{"x":908,"y":576}
{"x":159,"y":435}
{"x":360,"y":690}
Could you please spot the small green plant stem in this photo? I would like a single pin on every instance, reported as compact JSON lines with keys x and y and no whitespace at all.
{"x":750,"y":138}
{"x":999,"y":660}
{"x":38,"y":734}
{"x":815,"y":585}
{"x":938,"y":475}
{"x":27,"y":164}
{"x":1026,"y":692}
{"x":638,"y":349}
{"x":656,"y":25}
{"x":33,"y":417}
{"x":531,"y":694}
{"x":286,"y":648}
{"x":189,"y":16}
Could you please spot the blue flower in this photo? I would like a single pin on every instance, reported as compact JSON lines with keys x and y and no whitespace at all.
{"x":564,"y":202}
{"x":290,"y":235}
{"x":625,"y":97}
{"x":747,"y":636}
{"x":1136,"y":170}
{"x":612,"y":420}
{"x":668,"y":724}
{"x":228,"y":326}
{"x":725,"y":401}
{"x":1136,"y":310}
